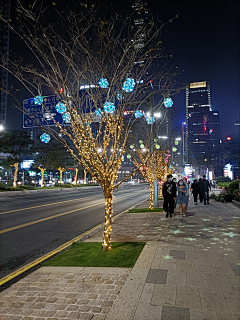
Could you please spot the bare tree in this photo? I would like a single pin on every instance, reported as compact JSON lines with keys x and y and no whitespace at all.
{"x":97,"y":70}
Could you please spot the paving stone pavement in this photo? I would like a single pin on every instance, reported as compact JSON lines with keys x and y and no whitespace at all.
{"x":188,"y":270}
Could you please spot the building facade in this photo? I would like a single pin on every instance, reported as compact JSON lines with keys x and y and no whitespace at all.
{"x":4,"y":50}
{"x":202,"y":127}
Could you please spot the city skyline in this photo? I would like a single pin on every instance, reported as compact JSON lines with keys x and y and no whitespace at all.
{"x":204,"y":46}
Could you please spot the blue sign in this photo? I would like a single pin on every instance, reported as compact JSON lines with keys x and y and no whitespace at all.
{"x":36,"y":114}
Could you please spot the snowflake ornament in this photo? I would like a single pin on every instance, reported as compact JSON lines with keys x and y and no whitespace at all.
{"x":128,"y":85}
{"x":61,"y":107}
{"x":103,"y":83}
{"x":109,"y":107}
{"x":138,"y":114}
{"x":168,"y":102}
{"x":45,"y":138}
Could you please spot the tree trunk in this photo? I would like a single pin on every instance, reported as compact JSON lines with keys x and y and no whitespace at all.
{"x":151,"y":195}
{"x":108,"y":219}
{"x":160,"y":189}
{"x":42,"y":177}
{"x":15,"y":174}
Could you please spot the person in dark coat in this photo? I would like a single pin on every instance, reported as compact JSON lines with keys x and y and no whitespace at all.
{"x":195,"y":190}
{"x":169,"y":195}
{"x":205,"y":189}
{"x":200,"y":190}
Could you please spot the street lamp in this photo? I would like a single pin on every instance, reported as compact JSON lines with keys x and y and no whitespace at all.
{"x":1,"y":127}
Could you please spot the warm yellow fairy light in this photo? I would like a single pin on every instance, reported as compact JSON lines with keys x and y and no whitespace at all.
{"x":42,"y":175}
{"x":61,"y":172}
{"x":15,"y":165}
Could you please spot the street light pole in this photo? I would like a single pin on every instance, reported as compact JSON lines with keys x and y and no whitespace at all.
{"x":183,"y":123}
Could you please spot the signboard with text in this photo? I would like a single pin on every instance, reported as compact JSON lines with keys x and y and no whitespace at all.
{"x":41,"y":113}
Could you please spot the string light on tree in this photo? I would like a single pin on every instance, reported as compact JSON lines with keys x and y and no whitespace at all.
{"x":45,"y":137}
{"x":103,"y":83}
{"x":168,"y":102}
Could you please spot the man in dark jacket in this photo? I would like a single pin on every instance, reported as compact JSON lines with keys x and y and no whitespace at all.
{"x":205,"y":189}
{"x":200,"y":190}
{"x":169,"y":195}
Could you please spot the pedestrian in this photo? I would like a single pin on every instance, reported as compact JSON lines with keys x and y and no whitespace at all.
{"x":188,"y":191}
{"x":182,"y":198}
{"x":200,"y":190}
{"x":205,"y":189}
{"x":175,"y":201}
{"x":195,"y":190}
{"x":169,"y":195}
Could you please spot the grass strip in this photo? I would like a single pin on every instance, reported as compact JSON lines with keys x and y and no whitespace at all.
{"x":90,"y":254}
{"x":146,"y":210}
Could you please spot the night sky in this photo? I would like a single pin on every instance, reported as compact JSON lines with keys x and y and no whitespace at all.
{"x":205,"y":44}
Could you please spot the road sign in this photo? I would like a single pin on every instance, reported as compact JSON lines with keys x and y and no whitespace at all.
{"x":37,"y":113}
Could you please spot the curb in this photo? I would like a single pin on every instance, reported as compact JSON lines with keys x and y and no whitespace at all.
{"x":236,"y":203}
{"x":15,"y":276}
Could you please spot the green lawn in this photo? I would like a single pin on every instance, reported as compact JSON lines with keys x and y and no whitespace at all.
{"x":224,"y":184}
{"x":90,"y":254}
{"x":145,"y":210}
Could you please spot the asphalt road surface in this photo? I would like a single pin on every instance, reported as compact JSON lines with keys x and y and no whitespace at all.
{"x":34,"y":224}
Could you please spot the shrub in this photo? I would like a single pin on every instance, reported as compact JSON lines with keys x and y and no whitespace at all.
{"x":222,"y":179}
{"x":235,"y":195}
{"x":220,"y":197}
{"x":213,"y":196}
{"x":234,"y":185}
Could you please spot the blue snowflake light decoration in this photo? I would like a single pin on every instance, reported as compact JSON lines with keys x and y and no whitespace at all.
{"x":168,"y":102}
{"x":103,"y":83}
{"x":138,"y":114}
{"x":150,"y":120}
{"x":61,"y":107}
{"x":98,"y":112}
{"x":120,"y":97}
{"x":45,"y":138}
{"x":66,"y":117}
{"x":128,"y":85}
{"x":38,"y":100}
{"x":109,"y":107}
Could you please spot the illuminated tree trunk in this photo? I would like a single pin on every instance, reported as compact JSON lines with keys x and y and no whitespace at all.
{"x":42,"y":175}
{"x":108,"y":218}
{"x":61,"y":171}
{"x":85,"y":176}
{"x":160,"y":190}
{"x":76,"y":173}
{"x":15,"y":165}
{"x":151,"y":195}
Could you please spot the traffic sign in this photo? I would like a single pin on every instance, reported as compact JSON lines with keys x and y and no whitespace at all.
{"x":37,"y":113}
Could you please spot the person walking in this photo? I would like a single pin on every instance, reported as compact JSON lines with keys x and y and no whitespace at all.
{"x":205,"y":189}
{"x":200,"y":190}
{"x":195,"y":190}
{"x":188,"y":191}
{"x":169,"y":195}
{"x":182,"y":198}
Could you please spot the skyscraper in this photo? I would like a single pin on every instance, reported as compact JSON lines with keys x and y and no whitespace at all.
{"x":4,"y":48}
{"x":202,"y":125}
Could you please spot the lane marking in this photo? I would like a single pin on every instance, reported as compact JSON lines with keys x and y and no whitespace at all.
{"x":58,"y":215}
{"x":54,"y":203}
{"x":45,"y":205}
{"x":58,"y":249}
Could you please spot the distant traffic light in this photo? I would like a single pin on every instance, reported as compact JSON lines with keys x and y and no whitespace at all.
{"x":229,"y":138}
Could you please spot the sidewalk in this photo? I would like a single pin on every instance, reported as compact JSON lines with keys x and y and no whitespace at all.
{"x":188,"y":270}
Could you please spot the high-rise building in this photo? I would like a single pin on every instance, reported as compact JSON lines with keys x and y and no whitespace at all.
{"x":202,"y":125}
{"x":4,"y":49}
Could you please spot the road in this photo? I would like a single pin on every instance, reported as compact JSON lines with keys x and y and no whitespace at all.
{"x":34,"y":224}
